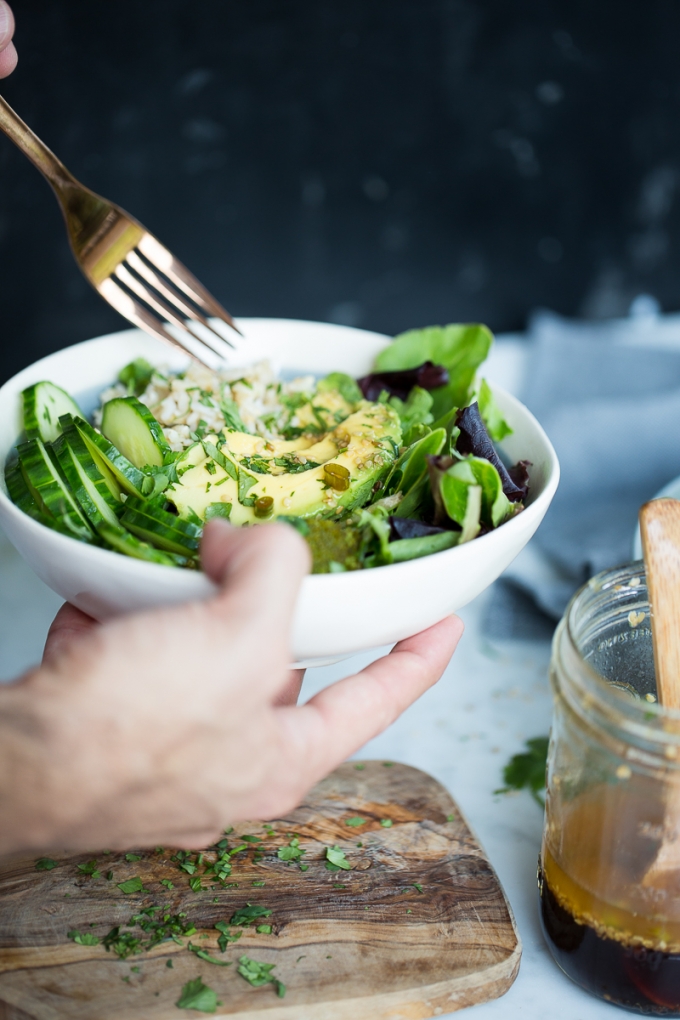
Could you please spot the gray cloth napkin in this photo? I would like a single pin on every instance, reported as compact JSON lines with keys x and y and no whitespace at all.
{"x":608,"y":396}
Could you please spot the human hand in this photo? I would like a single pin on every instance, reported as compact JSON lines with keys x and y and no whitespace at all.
{"x":8,"y":54}
{"x":166,"y":726}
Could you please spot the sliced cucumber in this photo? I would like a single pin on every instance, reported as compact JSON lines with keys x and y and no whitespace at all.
{"x":106,"y":455}
{"x":19,"y":492}
{"x":123,"y":542}
{"x":44,"y":403}
{"x":69,"y":429}
{"x":132,"y":428}
{"x":21,"y":496}
{"x":162,"y":529}
{"x":49,"y":490}
{"x":86,"y":481}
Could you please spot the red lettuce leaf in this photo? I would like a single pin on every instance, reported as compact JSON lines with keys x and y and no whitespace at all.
{"x":406,"y":527}
{"x":475,"y":439}
{"x":399,"y":384}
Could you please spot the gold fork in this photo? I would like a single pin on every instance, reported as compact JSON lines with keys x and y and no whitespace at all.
{"x":126,"y":264}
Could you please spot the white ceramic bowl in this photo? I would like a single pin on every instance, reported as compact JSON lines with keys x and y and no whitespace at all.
{"x":337,"y":614}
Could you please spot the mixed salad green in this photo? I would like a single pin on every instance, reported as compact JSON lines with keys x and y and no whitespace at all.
{"x":393,"y":466}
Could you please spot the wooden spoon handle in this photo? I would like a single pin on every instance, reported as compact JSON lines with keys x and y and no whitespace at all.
{"x":660,"y":528}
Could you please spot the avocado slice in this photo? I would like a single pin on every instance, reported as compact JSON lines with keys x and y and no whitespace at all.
{"x":327,"y":476}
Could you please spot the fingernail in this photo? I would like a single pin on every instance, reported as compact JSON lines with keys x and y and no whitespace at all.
{"x":6,"y":22}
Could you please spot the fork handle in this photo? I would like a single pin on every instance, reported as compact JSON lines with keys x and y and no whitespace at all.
{"x":38,"y":153}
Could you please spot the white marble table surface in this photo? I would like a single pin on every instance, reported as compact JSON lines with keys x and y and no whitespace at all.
{"x":490,"y":700}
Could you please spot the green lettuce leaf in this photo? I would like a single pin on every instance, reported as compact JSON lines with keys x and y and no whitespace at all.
{"x":462,"y":499}
{"x":342,"y":384}
{"x":415,"y":410}
{"x":496,"y":425}
{"x":460,"y":347}
{"x":409,"y":467}
{"x":496,"y":507}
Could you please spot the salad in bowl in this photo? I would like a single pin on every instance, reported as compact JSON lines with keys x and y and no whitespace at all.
{"x":394,"y":465}
{"x":111,"y":452}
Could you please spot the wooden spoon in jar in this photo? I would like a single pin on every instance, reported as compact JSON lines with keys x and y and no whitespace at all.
{"x":660,"y":529}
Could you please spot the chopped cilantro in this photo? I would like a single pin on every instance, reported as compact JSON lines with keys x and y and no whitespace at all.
{"x":251,"y":839}
{"x":388,"y":764}
{"x":167,"y":883}
{"x":359,"y":767}
{"x":260,"y":883}
{"x":264,"y":929}
{"x":167,"y":926}
{"x":258,"y":974}
{"x":356,"y":821}
{"x":195,"y":883}
{"x":526,"y":771}
{"x":45,"y":864}
{"x":335,"y":859}
{"x":136,"y":376}
{"x":450,"y":818}
{"x":170,"y":964}
{"x":109,"y":876}
{"x":202,"y":955}
{"x":89,"y":869}
{"x":133,"y":857}
{"x":417,"y":886}
{"x":246,"y":915}
{"x":83,"y":939}
{"x":196,"y":995}
{"x":225,"y":935}
{"x":133,"y":885}
{"x":304,"y":867}
{"x":339,"y":885}
{"x":135,"y":970}
{"x":386,"y":823}
{"x":292,"y":852}
{"x":123,"y":944}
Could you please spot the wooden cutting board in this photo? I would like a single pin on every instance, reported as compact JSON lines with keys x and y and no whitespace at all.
{"x":418,"y":928}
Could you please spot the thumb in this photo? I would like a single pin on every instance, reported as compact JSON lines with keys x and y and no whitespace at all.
{"x":259,"y":569}
{"x":8,"y":54}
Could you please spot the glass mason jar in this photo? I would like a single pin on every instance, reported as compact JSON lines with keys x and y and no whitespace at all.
{"x":609,"y":871}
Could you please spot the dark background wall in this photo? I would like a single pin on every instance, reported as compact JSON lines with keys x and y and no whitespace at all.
{"x":382,"y":163}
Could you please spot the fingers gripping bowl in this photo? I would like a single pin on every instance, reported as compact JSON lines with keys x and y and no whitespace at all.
{"x":337,"y":613}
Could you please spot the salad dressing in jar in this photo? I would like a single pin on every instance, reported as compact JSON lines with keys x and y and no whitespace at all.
{"x":611,"y":922}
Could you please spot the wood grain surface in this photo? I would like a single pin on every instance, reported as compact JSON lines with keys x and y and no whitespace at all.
{"x":365,"y":944}
{"x":660,"y":532}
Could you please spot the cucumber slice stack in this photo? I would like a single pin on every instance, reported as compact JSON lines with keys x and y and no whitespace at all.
{"x":129,"y":477}
{"x":50,"y":490}
{"x":152,"y":523}
{"x":90,"y":485}
{"x":86,"y":481}
{"x":20,"y":494}
{"x":43,"y":405}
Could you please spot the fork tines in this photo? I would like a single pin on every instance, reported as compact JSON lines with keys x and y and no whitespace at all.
{"x":153,"y":290}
